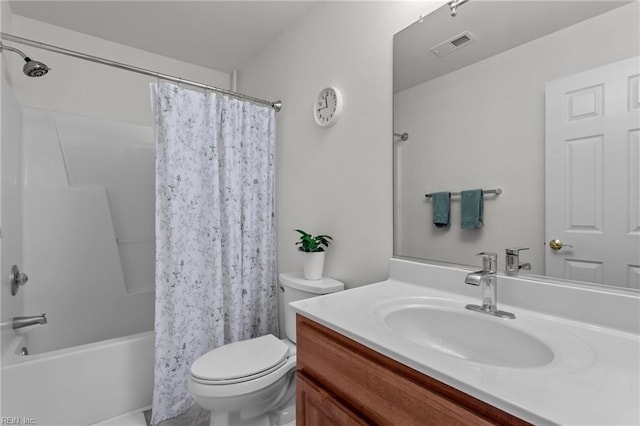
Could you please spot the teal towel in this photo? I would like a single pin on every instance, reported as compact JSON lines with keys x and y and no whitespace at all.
{"x":471,"y":209}
{"x":441,"y":208}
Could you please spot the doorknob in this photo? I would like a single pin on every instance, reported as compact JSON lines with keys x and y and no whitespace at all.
{"x":557,"y":244}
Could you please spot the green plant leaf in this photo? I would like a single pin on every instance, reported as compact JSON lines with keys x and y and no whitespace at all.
{"x":310,"y":244}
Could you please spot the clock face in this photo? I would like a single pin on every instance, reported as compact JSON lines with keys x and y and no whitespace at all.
{"x":328,"y":106}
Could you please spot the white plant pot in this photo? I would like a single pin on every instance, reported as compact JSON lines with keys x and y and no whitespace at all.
{"x":313,"y":265}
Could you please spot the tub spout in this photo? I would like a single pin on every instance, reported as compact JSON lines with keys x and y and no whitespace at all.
{"x":19,"y":322}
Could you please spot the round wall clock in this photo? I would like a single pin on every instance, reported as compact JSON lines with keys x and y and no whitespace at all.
{"x":328,"y":106}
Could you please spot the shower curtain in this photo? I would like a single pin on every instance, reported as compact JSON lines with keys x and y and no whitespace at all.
{"x":215,"y":232}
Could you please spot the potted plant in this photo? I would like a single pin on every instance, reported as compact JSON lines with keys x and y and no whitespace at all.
{"x":312,"y":248}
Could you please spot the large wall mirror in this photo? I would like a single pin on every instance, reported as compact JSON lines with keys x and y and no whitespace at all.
{"x":539,"y":99}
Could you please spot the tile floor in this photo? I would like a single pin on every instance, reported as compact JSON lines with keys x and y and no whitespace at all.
{"x":195,"y":416}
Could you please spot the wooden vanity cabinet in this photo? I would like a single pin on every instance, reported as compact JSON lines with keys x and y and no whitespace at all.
{"x":341,"y":382}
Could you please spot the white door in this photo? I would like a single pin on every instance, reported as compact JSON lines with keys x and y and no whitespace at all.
{"x":592,"y":175}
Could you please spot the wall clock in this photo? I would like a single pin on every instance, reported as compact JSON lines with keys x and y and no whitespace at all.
{"x":327,"y":107}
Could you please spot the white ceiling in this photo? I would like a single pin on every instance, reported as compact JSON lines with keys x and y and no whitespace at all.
{"x":498,"y":25}
{"x":223,"y":35}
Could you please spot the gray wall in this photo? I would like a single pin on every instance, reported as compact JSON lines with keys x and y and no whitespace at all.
{"x":336,"y":180}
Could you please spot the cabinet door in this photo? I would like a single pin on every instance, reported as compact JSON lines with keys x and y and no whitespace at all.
{"x":380,"y":390}
{"x":316,"y":407}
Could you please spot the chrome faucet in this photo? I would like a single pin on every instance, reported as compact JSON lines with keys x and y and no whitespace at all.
{"x":19,"y":322}
{"x":488,"y":280}
{"x":513,"y":266}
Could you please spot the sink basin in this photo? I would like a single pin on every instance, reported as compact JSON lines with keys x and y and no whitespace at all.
{"x":463,"y":334}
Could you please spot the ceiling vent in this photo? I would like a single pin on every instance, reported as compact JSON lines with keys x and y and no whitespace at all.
{"x":453,"y":43}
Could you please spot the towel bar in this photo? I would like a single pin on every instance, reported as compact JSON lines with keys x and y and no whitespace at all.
{"x":496,"y":191}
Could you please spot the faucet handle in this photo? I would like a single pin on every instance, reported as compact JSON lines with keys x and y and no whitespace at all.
{"x":516,"y":250}
{"x":489,"y":261}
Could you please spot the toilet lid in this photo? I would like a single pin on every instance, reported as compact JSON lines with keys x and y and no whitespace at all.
{"x":245,"y":359}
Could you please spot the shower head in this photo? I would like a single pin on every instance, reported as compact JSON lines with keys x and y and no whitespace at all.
{"x":31,"y":68}
{"x":34,"y":68}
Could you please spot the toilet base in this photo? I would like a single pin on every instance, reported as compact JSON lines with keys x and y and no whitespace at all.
{"x":272,"y":406}
{"x":233,"y":419}
{"x":284,"y":417}
{"x":287,"y":416}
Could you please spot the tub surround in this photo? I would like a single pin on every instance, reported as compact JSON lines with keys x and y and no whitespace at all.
{"x":80,"y":385}
{"x":593,"y":376}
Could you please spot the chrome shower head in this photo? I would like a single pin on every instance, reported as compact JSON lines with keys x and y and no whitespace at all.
{"x":34,"y":68}
{"x":31,"y":68}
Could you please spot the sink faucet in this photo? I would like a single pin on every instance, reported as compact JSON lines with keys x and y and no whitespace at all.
{"x":513,"y":265}
{"x":19,"y":322}
{"x":488,"y":280}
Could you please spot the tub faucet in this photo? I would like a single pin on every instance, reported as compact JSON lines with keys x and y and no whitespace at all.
{"x":488,"y":280}
{"x":513,"y":266}
{"x":19,"y":322}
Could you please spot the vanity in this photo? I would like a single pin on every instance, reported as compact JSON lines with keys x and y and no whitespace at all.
{"x":406,"y":351}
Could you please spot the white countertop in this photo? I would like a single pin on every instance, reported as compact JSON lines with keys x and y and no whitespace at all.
{"x":594,"y":377}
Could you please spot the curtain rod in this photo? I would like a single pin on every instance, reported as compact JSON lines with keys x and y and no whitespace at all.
{"x":277,"y":105}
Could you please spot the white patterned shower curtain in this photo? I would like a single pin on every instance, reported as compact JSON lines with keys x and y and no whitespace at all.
{"x":215,"y":232}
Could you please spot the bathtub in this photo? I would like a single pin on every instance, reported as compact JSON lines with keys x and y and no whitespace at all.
{"x":81,"y":385}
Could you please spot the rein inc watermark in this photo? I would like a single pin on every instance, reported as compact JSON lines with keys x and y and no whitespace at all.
{"x":17,"y":421}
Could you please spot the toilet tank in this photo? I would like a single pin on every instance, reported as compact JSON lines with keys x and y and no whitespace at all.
{"x":294,"y":287}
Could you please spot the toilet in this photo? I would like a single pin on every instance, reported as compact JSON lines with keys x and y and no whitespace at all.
{"x":252,"y":382}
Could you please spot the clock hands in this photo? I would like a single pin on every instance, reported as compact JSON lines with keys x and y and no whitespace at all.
{"x":326,"y":103}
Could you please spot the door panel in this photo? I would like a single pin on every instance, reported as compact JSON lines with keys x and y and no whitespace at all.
{"x":592,"y":155}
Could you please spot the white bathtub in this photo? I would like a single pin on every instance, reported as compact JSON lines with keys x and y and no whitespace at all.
{"x":81,"y":385}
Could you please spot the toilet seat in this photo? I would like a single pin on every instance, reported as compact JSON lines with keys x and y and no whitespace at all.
{"x":240,"y":361}
{"x":241,"y":368}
